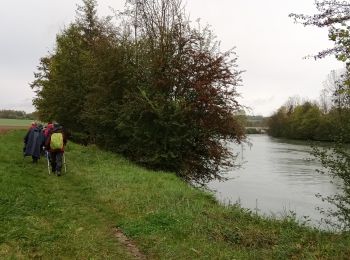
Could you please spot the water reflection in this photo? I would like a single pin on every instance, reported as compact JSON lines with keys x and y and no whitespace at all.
{"x":276,"y":176}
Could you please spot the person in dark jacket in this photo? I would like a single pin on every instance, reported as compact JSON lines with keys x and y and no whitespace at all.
{"x":33,"y":142}
{"x":56,"y":154}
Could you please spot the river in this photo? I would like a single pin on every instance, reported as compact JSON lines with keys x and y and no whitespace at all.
{"x":277,"y":176}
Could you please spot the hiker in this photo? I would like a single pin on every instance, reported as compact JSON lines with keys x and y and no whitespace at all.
{"x":47,"y":131}
{"x":32,"y":125}
{"x":33,"y":142}
{"x":55,"y":144}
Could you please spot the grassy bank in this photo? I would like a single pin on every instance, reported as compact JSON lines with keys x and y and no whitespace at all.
{"x":74,"y":216}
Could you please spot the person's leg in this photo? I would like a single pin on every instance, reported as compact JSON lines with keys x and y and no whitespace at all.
{"x":35,"y":159}
{"x":59,"y":157}
{"x":53,"y":161}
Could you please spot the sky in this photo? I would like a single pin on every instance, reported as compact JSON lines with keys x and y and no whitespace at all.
{"x":270,"y":46}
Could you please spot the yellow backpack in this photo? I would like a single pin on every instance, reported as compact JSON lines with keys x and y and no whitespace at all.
{"x":56,"y":141}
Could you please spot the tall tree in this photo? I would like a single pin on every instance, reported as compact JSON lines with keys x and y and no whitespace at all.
{"x":185,"y":88}
{"x":164,"y":94}
{"x":68,"y":75}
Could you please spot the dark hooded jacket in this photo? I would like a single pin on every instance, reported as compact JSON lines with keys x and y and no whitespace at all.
{"x":34,"y":141}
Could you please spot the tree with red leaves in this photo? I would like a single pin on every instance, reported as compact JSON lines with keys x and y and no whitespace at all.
{"x":152,"y":87}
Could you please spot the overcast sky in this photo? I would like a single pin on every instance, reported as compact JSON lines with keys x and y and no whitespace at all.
{"x":269,"y":45}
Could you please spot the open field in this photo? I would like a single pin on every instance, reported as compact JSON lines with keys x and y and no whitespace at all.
{"x":76,"y":216}
{"x":11,"y":124}
{"x":15,"y":122}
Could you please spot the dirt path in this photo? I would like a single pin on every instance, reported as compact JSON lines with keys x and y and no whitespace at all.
{"x":128,"y":244}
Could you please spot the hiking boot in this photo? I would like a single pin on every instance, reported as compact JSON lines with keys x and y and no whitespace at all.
{"x":58,"y":173}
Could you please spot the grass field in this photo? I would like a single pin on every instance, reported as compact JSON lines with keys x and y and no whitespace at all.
{"x":15,"y":122}
{"x":74,"y":216}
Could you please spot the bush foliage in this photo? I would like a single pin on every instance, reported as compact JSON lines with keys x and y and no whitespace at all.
{"x":149,"y":86}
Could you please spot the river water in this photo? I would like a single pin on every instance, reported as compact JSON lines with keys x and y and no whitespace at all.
{"x":277,"y":176}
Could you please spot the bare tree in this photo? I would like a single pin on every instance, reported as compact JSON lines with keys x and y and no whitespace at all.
{"x":332,"y":94}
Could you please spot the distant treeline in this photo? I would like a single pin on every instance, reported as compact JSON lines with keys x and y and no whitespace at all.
{"x":150,"y":86}
{"x":256,"y":121}
{"x":14,"y":114}
{"x":311,"y":121}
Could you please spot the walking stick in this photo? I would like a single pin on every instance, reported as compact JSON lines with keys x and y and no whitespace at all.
{"x":48,"y":162}
{"x":64,"y":163}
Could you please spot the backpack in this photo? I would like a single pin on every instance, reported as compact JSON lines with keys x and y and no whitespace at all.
{"x":56,"y":142}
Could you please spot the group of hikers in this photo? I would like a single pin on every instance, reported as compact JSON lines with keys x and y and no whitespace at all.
{"x":49,"y":141}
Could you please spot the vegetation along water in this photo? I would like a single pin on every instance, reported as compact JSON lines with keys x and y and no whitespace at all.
{"x":75,"y":216}
{"x":151,"y":89}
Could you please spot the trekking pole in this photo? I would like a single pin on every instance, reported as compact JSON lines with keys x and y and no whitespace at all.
{"x":48,"y":162}
{"x":64,"y":163}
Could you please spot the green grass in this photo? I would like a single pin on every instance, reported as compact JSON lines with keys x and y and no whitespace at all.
{"x":15,"y":122}
{"x":73,"y":216}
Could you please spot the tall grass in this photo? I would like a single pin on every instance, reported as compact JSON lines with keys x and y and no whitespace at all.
{"x":73,"y":216}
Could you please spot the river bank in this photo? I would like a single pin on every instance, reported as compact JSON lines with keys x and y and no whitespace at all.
{"x":75,"y":216}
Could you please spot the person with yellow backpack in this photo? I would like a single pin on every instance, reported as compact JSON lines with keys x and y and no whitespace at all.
{"x":55,"y":144}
